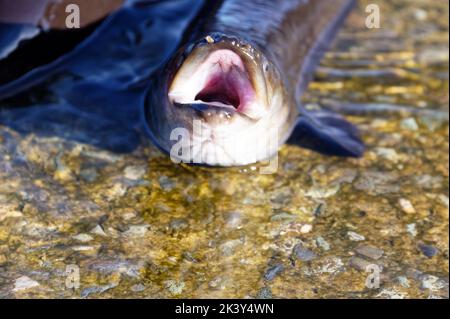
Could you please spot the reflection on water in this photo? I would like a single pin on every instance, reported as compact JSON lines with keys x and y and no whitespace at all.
{"x":80,"y":186}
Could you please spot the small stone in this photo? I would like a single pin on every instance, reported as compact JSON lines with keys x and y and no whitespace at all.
{"x":98,"y":230}
{"x":166,"y":183}
{"x":265,"y":293}
{"x":273,"y":271}
{"x":359,"y":263}
{"x":391,"y":294}
{"x":370,"y":252}
{"x":135,"y":172}
{"x":283,"y":216}
{"x":322,"y":243}
{"x":428,"y":250}
{"x":233,"y":220}
{"x":444,"y":200}
{"x":84,"y":238}
{"x":303,"y":253}
{"x":403,"y":281}
{"x":89,"y":174}
{"x":388,"y":153}
{"x":409,"y":124}
{"x":174,"y":287}
{"x":228,"y":248}
{"x":407,"y":206}
{"x":138,"y":288}
{"x":24,"y":283}
{"x":433,"y":283}
{"x":411,"y":229}
{"x":178,"y":224}
{"x":83,"y":248}
{"x":355,"y":236}
{"x":305,"y":229}
{"x":217,"y":283}
{"x":136,"y":231}
{"x":320,"y":192}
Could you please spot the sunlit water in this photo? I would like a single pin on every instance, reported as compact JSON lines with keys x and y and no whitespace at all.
{"x":81,"y":186}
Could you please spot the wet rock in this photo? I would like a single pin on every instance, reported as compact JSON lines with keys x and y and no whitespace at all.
{"x":428,"y":250}
{"x":303,"y":253}
{"x":233,"y":220}
{"x":89,"y":174}
{"x":322,"y":243}
{"x":388,"y":153}
{"x":370,"y":252}
{"x":378,"y":183}
{"x":178,"y":224}
{"x":138,"y":288}
{"x":136,"y":231}
{"x":283,"y":216}
{"x":98,"y":230}
{"x":429,"y":182}
{"x":24,"y":283}
{"x":306,"y":228}
{"x":166,"y":183}
{"x":355,"y":236}
{"x":444,"y":199}
{"x":321,"y":192}
{"x":273,"y":271}
{"x":433,"y":122}
{"x":406,"y":206}
{"x":391,"y":294}
{"x":409,"y":124}
{"x":265,"y":293}
{"x":174,"y":287}
{"x":403,"y":281}
{"x":135,"y":172}
{"x":320,"y":210}
{"x":84,"y":238}
{"x":228,"y":248}
{"x":360,"y":264}
{"x":117,"y":190}
{"x":97,"y":290}
{"x":433,"y":283}
{"x":217,"y":283}
{"x":411,"y":229}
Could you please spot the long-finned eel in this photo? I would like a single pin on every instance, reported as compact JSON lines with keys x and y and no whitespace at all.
{"x":231,"y":94}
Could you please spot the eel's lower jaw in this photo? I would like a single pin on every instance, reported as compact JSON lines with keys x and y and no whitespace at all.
{"x":222,"y":80}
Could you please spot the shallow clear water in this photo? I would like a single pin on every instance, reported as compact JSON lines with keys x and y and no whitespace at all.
{"x":81,"y":186}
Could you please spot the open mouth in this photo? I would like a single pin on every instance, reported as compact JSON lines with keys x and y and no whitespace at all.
{"x":220,"y":80}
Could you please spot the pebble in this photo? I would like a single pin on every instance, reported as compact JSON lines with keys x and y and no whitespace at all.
{"x":138,"y":288}
{"x":136,"y":231}
{"x":403,"y":281}
{"x":359,"y":263}
{"x":411,"y":229}
{"x":166,"y":183}
{"x":174,"y":287}
{"x":391,"y":294}
{"x":305,"y":229}
{"x":265,"y":293}
{"x":322,"y":243}
{"x":24,"y":283}
{"x":135,"y":172}
{"x":409,"y":124}
{"x":406,"y":206}
{"x":444,"y":199}
{"x":273,"y":271}
{"x":84,"y":238}
{"x":178,"y":224}
{"x":355,"y":236}
{"x":303,"y":253}
{"x":321,"y":192}
{"x":370,"y":252}
{"x":283,"y":216}
{"x":98,"y":230}
{"x":228,"y":248}
{"x":428,"y":250}
{"x":433,"y":283}
{"x":388,"y":153}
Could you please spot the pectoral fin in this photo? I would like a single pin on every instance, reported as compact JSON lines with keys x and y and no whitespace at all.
{"x":327,"y":133}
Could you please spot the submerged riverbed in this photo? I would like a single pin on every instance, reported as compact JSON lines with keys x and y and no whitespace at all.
{"x":132,"y":224}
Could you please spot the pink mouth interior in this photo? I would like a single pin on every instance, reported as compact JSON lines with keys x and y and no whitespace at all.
{"x":227,"y":81}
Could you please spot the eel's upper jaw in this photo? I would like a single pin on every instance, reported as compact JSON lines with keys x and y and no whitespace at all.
{"x":222,"y":79}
